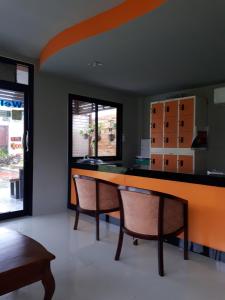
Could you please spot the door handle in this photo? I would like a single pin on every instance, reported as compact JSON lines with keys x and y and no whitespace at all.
{"x":27,"y":141}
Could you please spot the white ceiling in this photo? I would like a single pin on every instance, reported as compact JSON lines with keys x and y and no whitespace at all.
{"x":27,"y":25}
{"x":179,"y":45}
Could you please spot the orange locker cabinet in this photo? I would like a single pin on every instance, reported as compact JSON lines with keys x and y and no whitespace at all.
{"x":185,"y":164}
{"x":156,"y":140}
{"x":186,"y":107}
{"x":170,"y":140}
{"x":156,"y":161}
{"x":170,"y":163}
{"x":171,"y":109}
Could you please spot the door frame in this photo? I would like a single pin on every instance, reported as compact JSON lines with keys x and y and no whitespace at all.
{"x":28,"y":91}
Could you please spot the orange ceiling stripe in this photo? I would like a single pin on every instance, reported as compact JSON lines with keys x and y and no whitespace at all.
{"x":105,"y":21}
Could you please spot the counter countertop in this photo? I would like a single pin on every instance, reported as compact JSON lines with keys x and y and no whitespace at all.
{"x":144,"y":171}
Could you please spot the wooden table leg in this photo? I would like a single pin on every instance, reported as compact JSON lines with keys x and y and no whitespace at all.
{"x":48,"y":282}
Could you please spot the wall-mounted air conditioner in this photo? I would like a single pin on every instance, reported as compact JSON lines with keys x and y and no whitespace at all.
{"x":219,"y":95}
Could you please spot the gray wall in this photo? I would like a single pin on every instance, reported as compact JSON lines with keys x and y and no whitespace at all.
{"x":215,"y":155}
{"x":50,"y":137}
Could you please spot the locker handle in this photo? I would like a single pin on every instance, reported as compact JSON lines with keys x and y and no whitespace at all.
{"x":153,"y":161}
{"x":154,"y":110}
{"x":166,"y":124}
{"x":181,"y":139}
{"x":27,"y":141}
{"x":152,"y":125}
{"x":152,"y":140}
{"x":166,"y":162}
{"x":181,"y":163}
{"x":166,"y":140}
{"x":182,"y":107}
{"x":167,"y":108}
{"x":182,"y":123}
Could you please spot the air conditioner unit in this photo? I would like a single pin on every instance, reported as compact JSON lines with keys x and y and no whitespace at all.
{"x":219,"y":95}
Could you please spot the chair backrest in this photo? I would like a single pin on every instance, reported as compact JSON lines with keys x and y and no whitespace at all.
{"x":95,"y":194}
{"x":86,"y":192}
{"x":143,"y":210}
{"x":108,"y":195}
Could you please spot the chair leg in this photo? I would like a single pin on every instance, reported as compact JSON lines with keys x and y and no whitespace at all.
{"x":135,"y":241}
{"x":76,"y":219}
{"x":120,"y":244}
{"x":186,"y":232}
{"x":97,"y":226}
{"x":160,"y":256}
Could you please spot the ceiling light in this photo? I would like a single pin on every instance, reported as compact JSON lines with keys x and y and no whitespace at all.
{"x":95,"y":64}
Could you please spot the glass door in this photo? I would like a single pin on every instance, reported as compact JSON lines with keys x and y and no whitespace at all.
{"x":13,"y":147}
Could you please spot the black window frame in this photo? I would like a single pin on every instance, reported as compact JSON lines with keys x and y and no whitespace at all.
{"x":28,"y":90}
{"x":97,"y":102}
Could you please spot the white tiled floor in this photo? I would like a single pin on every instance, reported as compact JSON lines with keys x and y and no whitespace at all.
{"x":8,"y":204}
{"x":85,"y":269}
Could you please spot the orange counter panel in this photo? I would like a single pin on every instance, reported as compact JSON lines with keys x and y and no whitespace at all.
{"x":206,"y":204}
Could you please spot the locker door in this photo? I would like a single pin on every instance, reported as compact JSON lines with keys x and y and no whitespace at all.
{"x":186,"y":107}
{"x":170,"y":140}
{"x":156,"y":140}
{"x":185,"y":164}
{"x":170,"y":163}
{"x":186,"y":123}
{"x":170,"y":125}
{"x":171,"y":108}
{"x":156,"y":126}
{"x":157,"y":111}
{"x":156,"y":162}
{"x":185,"y":139}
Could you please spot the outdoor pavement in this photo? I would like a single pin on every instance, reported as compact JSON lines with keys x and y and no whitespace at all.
{"x":7,"y":203}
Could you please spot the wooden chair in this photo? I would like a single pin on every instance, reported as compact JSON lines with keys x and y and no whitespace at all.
{"x":24,"y":261}
{"x":152,"y":216}
{"x":95,"y":196}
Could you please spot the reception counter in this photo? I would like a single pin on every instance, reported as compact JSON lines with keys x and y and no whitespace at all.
{"x":205,"y":195}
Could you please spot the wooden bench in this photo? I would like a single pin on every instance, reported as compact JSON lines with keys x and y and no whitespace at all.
{"x":24,"y":261}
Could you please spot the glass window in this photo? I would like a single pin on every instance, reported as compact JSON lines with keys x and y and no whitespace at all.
{"x":107,"y":130}
{"x":83,"y":128}
{"x":22,"y":74}
{"x":96,"y":128}
{"x":14,"y":73}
